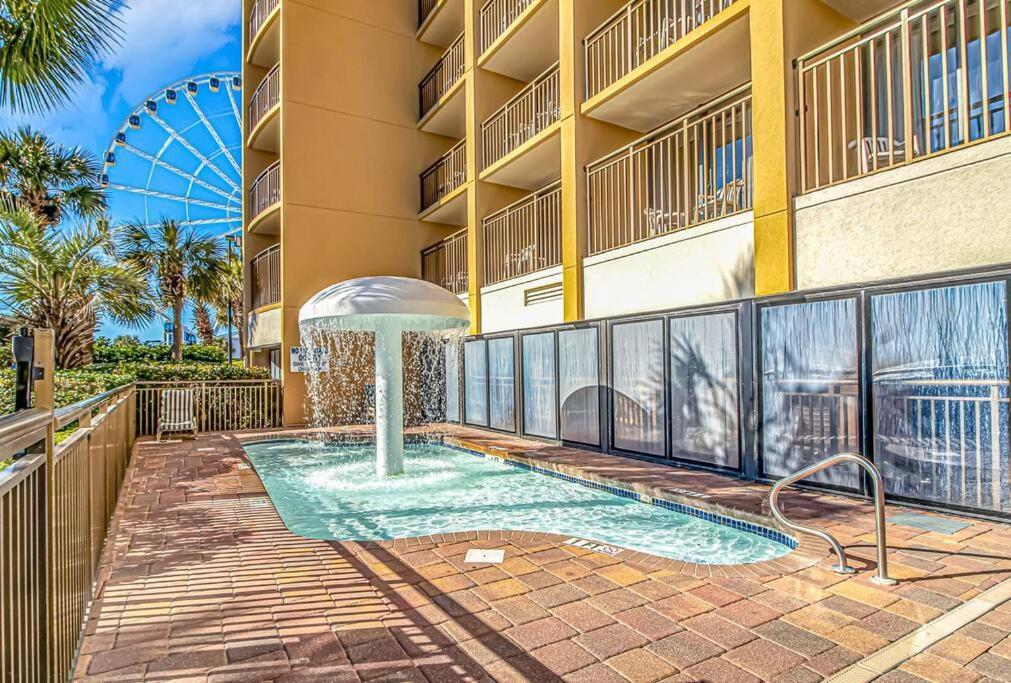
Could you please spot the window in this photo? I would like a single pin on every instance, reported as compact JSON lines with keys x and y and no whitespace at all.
{"x":502,"y":379}
{"x":475,"y":368}
{"x":638,"y":386}
{"x":579,"y":386}
{"x":540,"y":413}
{"x":452,"y":355}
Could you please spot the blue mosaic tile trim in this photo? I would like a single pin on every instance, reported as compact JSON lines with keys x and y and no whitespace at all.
{"x":738,"y":524}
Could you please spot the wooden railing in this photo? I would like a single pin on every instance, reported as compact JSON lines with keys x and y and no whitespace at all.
{"x":265,"y":274}
{"x":56,"y":503}
{"x":261,"y":10}
{"x":639,"y":31}
{"x":222,"y":405}
{"x":266,"y":97}
{"x":425,"y":7}
{"x":497,"y":16}
{"x":524,"y":237}
{"x":266,"y":190}
{"x":530,"y":111}
{"x":691,"y":171}
{"x":907,"y":85}
{"x":445,"y":175}
{"x":445,"y":263}
{"x":437,"y":82}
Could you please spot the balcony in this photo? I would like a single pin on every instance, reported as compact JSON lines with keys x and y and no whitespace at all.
{"x":638,"y":61}
{"x":442,"y":200}
{"x":445,"y":263}
{"x":441,"y":104}
{"x":517,"y":147}
{"x":264,"y":200}
{"x":439,"y":21}
{"x":265,"y":277}
{"x":694,"y":170}
{"x":263,"y":110}
{"x":264,"y":33}
{"x":518,"y":38}
{"x":524,"y":237}
{"x":904,"y":87}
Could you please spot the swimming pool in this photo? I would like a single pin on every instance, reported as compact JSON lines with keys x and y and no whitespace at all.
{"x":332,"y":493}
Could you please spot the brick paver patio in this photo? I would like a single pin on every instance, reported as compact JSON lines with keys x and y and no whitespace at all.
{"x":202,"y":581}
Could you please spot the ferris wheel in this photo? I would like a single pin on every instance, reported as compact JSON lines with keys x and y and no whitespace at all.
{"x":178,"y":156}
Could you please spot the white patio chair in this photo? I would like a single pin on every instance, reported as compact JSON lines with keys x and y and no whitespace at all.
{"x":879,"y":152}
{"x":177,"y":413}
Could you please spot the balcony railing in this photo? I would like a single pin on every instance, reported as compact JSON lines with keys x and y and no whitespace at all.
{"x":437,"y":82}
{"x":265,"y":277}
{"x":266,"y":190}
{"x":266,"y":97}
{"x":497,"y":16}
{"x":907,"y":85}
{"x":524,"y":237}
{"x":691,"y":171}
{"x":425,"y":7}
{"x":444,"y":176}
{"x":639,"y":31}
{"x":261,"y":10}
{"x":445,"y":263}
{"x":530,"y":111}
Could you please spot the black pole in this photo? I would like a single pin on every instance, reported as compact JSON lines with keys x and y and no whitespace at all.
{"x":23,"y":347}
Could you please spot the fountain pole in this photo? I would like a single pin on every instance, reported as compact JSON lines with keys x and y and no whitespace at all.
{"x":389,"y":400}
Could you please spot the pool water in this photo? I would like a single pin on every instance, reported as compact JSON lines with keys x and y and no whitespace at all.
{"x":331,"y":492}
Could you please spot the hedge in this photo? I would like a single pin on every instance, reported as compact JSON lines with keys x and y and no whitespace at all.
{"x":129,"y":350}
{"x":71,"y":386}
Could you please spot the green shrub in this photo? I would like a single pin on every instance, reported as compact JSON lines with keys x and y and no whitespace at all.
{"x":166,"y":372}
{"x":71,"y":386}
{"x":131,"y":350}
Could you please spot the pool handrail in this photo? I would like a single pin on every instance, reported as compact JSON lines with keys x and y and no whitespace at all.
{"x":843,"y":567}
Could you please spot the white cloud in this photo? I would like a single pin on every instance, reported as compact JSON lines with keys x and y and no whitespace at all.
{"x":164,"y":39}
{"x":84,"y":121}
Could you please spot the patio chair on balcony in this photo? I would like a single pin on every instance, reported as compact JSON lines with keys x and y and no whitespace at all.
{"x":660,"y":221}
{"x":177,"y":413}
{"x":880,"y":152}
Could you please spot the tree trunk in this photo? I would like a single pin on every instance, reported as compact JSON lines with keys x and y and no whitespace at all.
{"x":177,"y":328}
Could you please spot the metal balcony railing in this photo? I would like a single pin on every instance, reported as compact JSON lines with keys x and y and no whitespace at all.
{"x":265,"y":277}
{"x":912,"y":83}
{"x":530,"y":111}
{"x":445,"y":263}
{"x":693,"y":170}
{"x":638,"y":32}
{"x":266,"y":97}
{"x":437,"y":82}
{"x":524,"y":237}
{"x":445,"y":175}
{"x":497,"y":16}
{"x":425,"y":7}
{"x":266,"y":190}
{"x":261,"y":10}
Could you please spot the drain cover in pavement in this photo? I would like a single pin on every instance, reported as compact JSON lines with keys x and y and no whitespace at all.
{"x":928,"y":523}
{"x":475,"y":556}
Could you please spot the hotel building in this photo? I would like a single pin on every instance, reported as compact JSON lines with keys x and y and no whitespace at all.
{"x":606,"y":183}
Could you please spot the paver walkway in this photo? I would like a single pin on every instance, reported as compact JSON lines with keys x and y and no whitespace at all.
{"x":202,"y":581}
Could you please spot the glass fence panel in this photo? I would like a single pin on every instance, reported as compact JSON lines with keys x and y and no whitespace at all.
{"x":703,"y":376}
{"x":540,"y":412}
{"x":579,"y":385}
{"x":502,"y":378}
{"x":475,"y":367}
{"x":940,"y":387}
{"x":810,"y":393}
{"x":638,"y":391}
{"x":452,"y":354}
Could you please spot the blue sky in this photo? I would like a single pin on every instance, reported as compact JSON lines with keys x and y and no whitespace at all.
{"x":164,"y":41}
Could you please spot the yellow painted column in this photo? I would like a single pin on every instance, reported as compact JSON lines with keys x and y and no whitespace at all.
{"x":475,"y":235}
{"x":572,"y":186}
{"x":770,"y":69}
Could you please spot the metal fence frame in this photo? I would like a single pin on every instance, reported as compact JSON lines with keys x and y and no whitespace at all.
{"x":266,"y":190}
{"x":445,"y":263}
{"x":524,"y":237}
{"x":219,"y":405}
{"x":442,"y":77}
{"x":496,"y":18}
{"x":533,"y":109}
{"x":266,"y":96}
{"x":749,"y":374}
{"x":261,"y":10}
{"x":265,"y":276}
{"x":447,"y":173}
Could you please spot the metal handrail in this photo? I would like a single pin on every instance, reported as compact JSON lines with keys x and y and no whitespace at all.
{"x":64,"y":416}
{"x":879,"y":512}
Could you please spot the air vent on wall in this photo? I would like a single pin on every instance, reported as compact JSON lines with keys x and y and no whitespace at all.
{"x":540,"y":295}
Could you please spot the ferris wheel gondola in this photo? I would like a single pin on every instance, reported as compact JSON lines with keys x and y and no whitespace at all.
{"x":178,"y":155}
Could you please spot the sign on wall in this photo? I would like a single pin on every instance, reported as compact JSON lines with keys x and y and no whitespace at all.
{"x":305,"y":359}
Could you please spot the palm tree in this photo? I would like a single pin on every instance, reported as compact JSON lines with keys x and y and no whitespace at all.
{"x":48,"y":46}
{"x":229,"y":291}
{"x":46,"y":178}
{"x":202,"y":321}
{"x":67,"y":281}
{"x":182,"y":263}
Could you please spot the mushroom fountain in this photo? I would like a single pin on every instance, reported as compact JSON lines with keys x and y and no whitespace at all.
{"x":387,"y":307}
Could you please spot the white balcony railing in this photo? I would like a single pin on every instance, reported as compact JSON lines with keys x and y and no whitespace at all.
{"x":438,"y":81}
{"x":445,"y":263}
{"x":497,"y":16}
{"x":265,"y":276}
{"x":639,"y":31}
{"x":261,"y":10}
{"x":693,"y":170}
{"x":266,"y":96}
{"x":445,"y":175}
{"x":524,"y":237}
{"x":924,"y":79}
{"x":266,"y":190}
{"x":530,"y":111}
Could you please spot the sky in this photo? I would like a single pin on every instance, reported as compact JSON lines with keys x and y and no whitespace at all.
{"x":164,"y":41}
